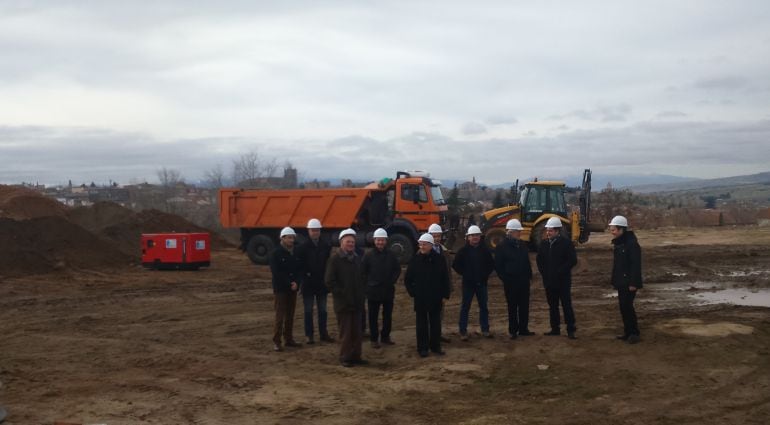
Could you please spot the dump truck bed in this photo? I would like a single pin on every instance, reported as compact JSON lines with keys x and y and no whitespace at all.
{"x":336,"y":208}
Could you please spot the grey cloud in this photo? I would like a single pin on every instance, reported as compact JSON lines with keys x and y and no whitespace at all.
{"x":473,"y":128}
{"x":728,"y":83}
{"x":501,"y":119}
{"x":601,"y":113}
{"x":670,"y":114}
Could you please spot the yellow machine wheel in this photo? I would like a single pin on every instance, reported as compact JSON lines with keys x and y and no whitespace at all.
{"x":493,"y":237}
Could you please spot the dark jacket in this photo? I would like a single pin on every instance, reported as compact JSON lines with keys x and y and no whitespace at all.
{"x":627,"y":264}
{"x":285,"y":268}
{"x":345,"y":281}
{"x":474,"y":264}
{"x":512,"y":262}
{"x":426,"y":281}
{"x":381,"y":271}
{"x":314,"y":258}
{"x":444,"y":252}
{"x":555,"y":259}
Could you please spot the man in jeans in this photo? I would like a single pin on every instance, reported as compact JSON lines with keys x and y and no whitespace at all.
{"x":314,"y":254}
{"x":474,"y":263}
{"x":381,"y":271}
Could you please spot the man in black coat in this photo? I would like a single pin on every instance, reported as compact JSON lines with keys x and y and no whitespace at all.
{"x":381,"y":271}
{"x":626,"y":275}
{"x":426,"y":281}
{"x":314,"y":254}
{"x":474,"y":263}
{"x":513,"y":268}
{"x":286,"y":271}
{"x":555,"y":259}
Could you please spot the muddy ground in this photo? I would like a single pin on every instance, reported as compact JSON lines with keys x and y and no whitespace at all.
{"x":130,"y":346}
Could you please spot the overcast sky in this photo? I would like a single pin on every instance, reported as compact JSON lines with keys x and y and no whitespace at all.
{"x":109,"y":90}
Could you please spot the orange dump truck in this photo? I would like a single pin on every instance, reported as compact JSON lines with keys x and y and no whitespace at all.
{"x":404,"y":207}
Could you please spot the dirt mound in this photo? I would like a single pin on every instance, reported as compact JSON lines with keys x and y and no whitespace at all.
{"x":20,"y":203}
{"x":124,"y":226}
{"x":45,"y":244}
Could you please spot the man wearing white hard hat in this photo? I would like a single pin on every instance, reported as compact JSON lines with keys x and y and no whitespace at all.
{"x":381,"y":271}
{"x":437,"y":232}
{"x":314,"y":254}
{"x":474,"y":263}
{"x":626,"y":275}
{"x":286,"y":271}
{"x":427,"y":282}
{"x":344,"y":280}
{"x":514,"y":269}
{"x":555,"y":259}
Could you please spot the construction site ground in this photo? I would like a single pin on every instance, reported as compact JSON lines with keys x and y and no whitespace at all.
{"x":123,"y":345}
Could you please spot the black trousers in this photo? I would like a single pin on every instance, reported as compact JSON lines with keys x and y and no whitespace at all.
{"x":517,"y":298}
{"x":428,"y":330}
{"x":563,"y":295}
{"x":387,"y":319}
{"x":627,"y":312}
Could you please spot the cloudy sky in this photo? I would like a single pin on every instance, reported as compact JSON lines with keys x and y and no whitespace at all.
{"x":108,"y":90}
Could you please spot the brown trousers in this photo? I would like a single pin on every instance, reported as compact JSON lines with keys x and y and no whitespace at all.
{"x":284,"y":316}
{"x":351,"y":335}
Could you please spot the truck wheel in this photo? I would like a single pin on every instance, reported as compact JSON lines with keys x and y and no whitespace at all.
{"x":402,"y":246}
{"x":259,"y":248}
{"x":536,"y":236}
{"x":494,"y":237}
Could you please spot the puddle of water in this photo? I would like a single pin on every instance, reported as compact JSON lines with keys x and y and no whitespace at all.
{"x":737,"y":296}
{"x":686,"y":286}
{"x":744,"y":273}
{"x":679,"y":274}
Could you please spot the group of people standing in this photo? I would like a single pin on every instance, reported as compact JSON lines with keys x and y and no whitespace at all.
{"x":356,"y":279}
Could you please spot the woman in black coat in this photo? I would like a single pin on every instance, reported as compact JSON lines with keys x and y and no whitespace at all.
{"x":626,"y":275}
{"x":427,"y":281}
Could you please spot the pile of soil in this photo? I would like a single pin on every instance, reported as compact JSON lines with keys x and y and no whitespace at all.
{"x":20,"y":203}
{"x":124,"y":227}
{"x":46,"y":244}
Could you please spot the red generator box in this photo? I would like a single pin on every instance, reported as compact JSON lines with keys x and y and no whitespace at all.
{"x":176,"y":251}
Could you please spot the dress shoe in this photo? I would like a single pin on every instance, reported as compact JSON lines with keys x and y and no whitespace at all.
{"x":327,"y":338}
{"x":438,"y":352}
{"x":388,"y":341}
{"x":487,"y":334}
{"x":622,"y":337}
{"x":310,"y":341}
{"x":512,"y":336}
{"x":553,"y":332}
{"x":633,"y":339}
{"x":463,"y":337}
{"x":346,"y":363}
{"x":277,"y":347}
{"x":571,"y":335}
{"x":423,"y":354}
{"x":292,"y":343}
{"x":526,"y":333}
{"x":376,"y":344}
{"x":361,"y":362}
{"x":445,"y":339}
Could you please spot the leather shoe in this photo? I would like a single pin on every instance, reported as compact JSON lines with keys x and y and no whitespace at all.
{"x":388,"y":341}
{"x":327,"y":338}
{"x":361,"y":362}
{"x":464,"y":337}
{"x":526,"y":333}
{"x":376,"y":344}
{"x":445,"y":339}
{"x":553,"y":332}
{"x":571,"y":335}
{"x":633,"y":339}
{"x":622,"y":337}
{"x":277,"y":347}
{"x":292,"y":344}
{"x":346,"y":363}
{"x":423,"y":354}
{"x":513,"y":336}
{"x":438,"y":352}
{"x":310,"y":341}
{"x":487,"y":334}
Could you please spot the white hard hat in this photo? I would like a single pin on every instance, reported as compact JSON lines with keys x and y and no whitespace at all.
{"x":513,"y":224}
{"x":287,"y":231}
{"x":553,"y":222}
{"x":426,"y":237}
{"x":314,"y":223}
{"x":619,"y":220}
{"x":435,"y":228}
{"x":347,"y":232}
{"x":380,"y":233}
{"x":473,"y":230}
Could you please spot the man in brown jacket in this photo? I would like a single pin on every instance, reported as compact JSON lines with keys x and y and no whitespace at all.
{"x":344,"y":279}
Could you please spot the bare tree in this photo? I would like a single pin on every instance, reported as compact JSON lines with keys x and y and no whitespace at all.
{"x":250,"y":168}
{"x":215,"y":177}
{"x":169,"y":179}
